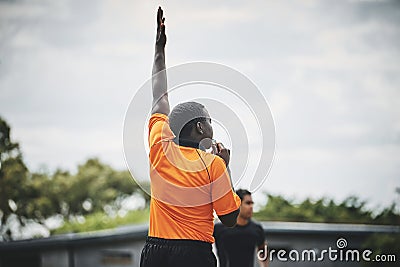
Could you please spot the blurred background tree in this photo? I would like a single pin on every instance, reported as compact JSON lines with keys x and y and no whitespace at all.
{"x":383,"y":244}
{"x":27,"y":198}
{"x":325,"y":210}
{"x":14,"y":187}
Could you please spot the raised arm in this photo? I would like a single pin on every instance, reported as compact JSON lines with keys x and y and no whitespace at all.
{"x":159,"y":78}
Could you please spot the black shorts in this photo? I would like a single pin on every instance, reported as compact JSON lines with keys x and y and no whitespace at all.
{"x":158,"y":252}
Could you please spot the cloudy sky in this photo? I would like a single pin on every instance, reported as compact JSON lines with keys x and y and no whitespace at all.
{"x":328,"y":69}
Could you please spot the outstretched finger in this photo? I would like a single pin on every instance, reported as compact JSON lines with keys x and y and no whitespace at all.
{"x":220,"y":147}
{"x":214,"y":149}
{"x":159,"y":16}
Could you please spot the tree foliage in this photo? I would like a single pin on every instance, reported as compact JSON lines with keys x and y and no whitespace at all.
{"x":13,"y":178}
{"x":100,"y":221}
{"x":325,"y":210}
{"x":27,"y":197}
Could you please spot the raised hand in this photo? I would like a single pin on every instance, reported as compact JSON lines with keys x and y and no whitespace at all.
{"x":161,"y":38}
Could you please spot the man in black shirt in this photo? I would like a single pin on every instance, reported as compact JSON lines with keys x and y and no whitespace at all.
{"x":236,"y":246}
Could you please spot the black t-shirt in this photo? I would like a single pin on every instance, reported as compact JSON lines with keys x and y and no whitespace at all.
{"x":236,"y":246}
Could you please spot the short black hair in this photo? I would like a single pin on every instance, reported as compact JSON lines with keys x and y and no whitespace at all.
{"x":242,"y":192}
{"x":184,"y":117}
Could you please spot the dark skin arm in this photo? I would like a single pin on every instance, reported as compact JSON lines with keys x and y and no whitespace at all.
{"x":159,"y":78}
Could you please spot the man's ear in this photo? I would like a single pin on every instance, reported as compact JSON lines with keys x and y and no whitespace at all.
{"x":199,"y":127}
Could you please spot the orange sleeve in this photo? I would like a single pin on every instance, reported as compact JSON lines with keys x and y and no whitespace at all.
{"x":224,"y":198}
{"x":159,"y":128}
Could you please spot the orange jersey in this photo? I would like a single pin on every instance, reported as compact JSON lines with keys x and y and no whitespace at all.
{"x":187,"y":184}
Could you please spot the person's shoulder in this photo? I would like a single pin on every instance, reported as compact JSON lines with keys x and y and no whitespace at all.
{"x":213,"y":161}
{"x":159,"y":116}
{"x":257,"y":227}
{"x":256,"y":224}
{"x":217,"y":163}
{"x":219,"y":225}
{"x":218,"y":229}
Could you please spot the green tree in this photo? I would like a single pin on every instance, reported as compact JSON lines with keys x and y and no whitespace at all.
{"x":13,"y":180}
{"x":34,"y":197}
{"x":350,"y":210}
{"x":97,"y":185}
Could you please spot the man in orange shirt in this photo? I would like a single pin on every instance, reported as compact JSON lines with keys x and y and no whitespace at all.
{"x":187,"y":183}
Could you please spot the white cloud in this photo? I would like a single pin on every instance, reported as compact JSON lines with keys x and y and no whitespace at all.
{"x":64,"y":148}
